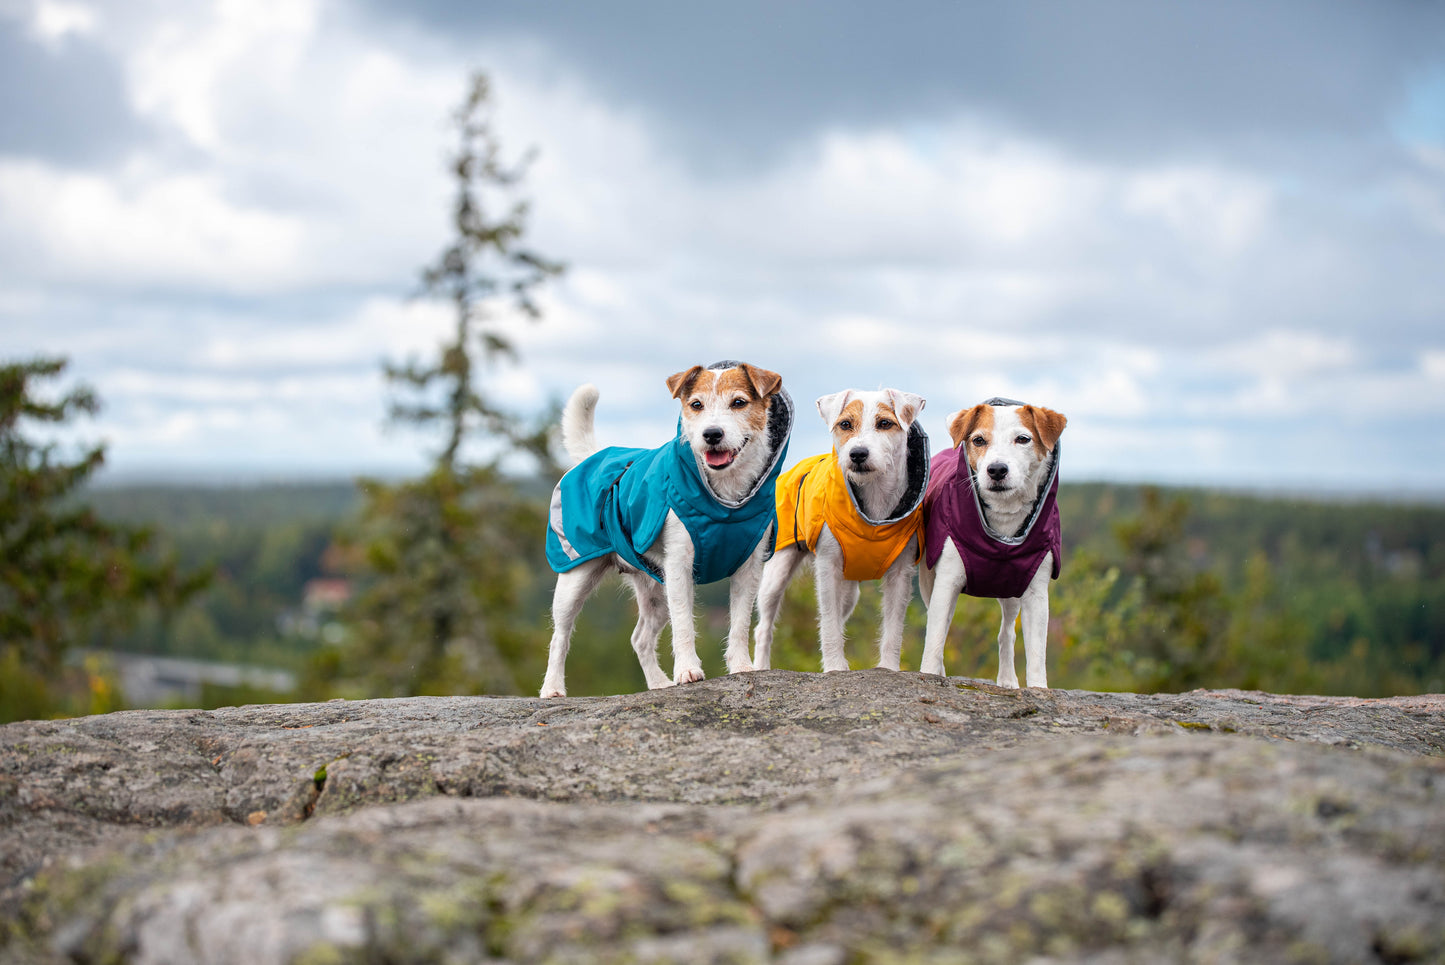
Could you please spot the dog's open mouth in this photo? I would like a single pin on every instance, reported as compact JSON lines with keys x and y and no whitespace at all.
{"x":720,"y":458}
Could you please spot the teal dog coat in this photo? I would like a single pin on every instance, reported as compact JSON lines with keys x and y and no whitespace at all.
{"x":616,"y":501}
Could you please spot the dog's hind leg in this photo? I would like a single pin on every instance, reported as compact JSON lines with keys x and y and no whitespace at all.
{"x":1007,"y":676}
{"x":778,"y":572}
{"x":947,"y":582}
{"x":848,"y":601}
{"x":677,"y":556}
{"x":651,"y":617}
{"x":1036,"y":625}
{"x":573,"y":589}
{"x":897,"y":590}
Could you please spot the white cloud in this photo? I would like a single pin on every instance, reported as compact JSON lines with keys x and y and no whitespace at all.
{"x":54,"y":20}
{"x":1287,"y":355}
{"x":186,"y":71}
{"x":1432,"y":364}
{"x":208,"y":388}
{"x":872,"y":196}
{"x":1223,"y":210}
{"x":380,"y":328}
{"x":138,"y":230}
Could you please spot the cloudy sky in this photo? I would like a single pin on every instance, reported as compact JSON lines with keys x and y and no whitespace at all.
{"x":1212,"y":234}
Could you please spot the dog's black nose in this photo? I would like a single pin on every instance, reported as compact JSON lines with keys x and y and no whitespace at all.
{"x":997,"y":470}
{"x":859,"y":455}
{"x":712,"y":436}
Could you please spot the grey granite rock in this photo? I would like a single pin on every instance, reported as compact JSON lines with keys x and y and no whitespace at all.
{"x":786,"y":817}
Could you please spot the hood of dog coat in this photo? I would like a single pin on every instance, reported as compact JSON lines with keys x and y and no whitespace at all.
{"x":779,"y":431}
{"x":1048,"y":490}
{"x":912,"y":498}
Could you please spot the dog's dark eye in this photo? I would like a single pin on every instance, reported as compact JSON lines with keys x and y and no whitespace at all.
{"x":696,"y":404}
{"x":1023,"y":440}
{"x":980,"y":441}
{"x":846,"y":425}
{"x":739,"y":403}
{"x":885,"y":424}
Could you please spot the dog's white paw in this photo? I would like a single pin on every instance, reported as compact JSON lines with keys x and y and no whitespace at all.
{"x":1012,"y":683}
{"x":688,"y":675}
{"x":743,"y":666}
{"x":659,"y":683}
{"x":553,"y":692}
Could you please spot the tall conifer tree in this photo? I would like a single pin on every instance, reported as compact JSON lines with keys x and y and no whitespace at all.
{"x":65,"y":573}
{"x":439,"y":556}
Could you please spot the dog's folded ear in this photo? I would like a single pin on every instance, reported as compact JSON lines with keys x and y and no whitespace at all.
{"x":1046,"y":424}
{"x":765,"y":383}
{"x":963,"y":422}
{"x":906,"y":405}
{"x":831,"y":406}
{"x":681,"y":383}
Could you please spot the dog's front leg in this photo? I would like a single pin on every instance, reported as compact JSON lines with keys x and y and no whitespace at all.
{"x":677,"y":559}
{"x":946,"y":583}
{"x":897,"y":591}
{"x":1036,"y":625}
{"x":833,"y":600}
{"x":742,"y":594}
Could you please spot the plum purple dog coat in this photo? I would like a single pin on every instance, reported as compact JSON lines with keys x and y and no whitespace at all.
{"x":1000,"y":567}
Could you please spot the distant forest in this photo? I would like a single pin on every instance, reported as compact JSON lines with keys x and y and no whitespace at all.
{"x":1162,"y":589}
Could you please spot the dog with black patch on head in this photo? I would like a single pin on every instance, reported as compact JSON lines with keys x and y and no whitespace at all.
{"x":856,"y":512}
{"x":991,"y":529}
{"x":696,"y":510}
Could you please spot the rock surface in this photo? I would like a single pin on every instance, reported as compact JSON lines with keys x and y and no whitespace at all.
{"x":777,"y":816}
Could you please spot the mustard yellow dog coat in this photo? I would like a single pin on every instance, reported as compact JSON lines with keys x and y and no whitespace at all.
{"x":815,"y":492}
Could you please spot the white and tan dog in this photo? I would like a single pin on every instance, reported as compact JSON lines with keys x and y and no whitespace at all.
{"x":693,"y":511}
{"x":857,"y":513}
{"x":992,"y":529}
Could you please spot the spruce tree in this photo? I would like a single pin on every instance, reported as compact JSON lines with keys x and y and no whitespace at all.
{"x":440,"y":558}
{"x":66,"y":575}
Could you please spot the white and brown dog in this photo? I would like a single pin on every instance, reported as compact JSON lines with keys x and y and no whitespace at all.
{"x":857,"y":513}
{"x":693,"y":511}
{"x":992,"y":528}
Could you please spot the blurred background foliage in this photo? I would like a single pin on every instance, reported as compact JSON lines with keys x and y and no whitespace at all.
{"x":64,"y":570}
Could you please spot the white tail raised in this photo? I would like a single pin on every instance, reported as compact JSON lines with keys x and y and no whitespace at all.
{"x":577,"y":422}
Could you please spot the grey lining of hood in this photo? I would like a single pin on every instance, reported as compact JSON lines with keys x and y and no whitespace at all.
{"x":780,"y":427}
{"x":1039,"y":500}
{"x":918,"y":469}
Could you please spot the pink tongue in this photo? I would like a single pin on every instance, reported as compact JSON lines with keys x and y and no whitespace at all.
{"x":719,"y":458}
